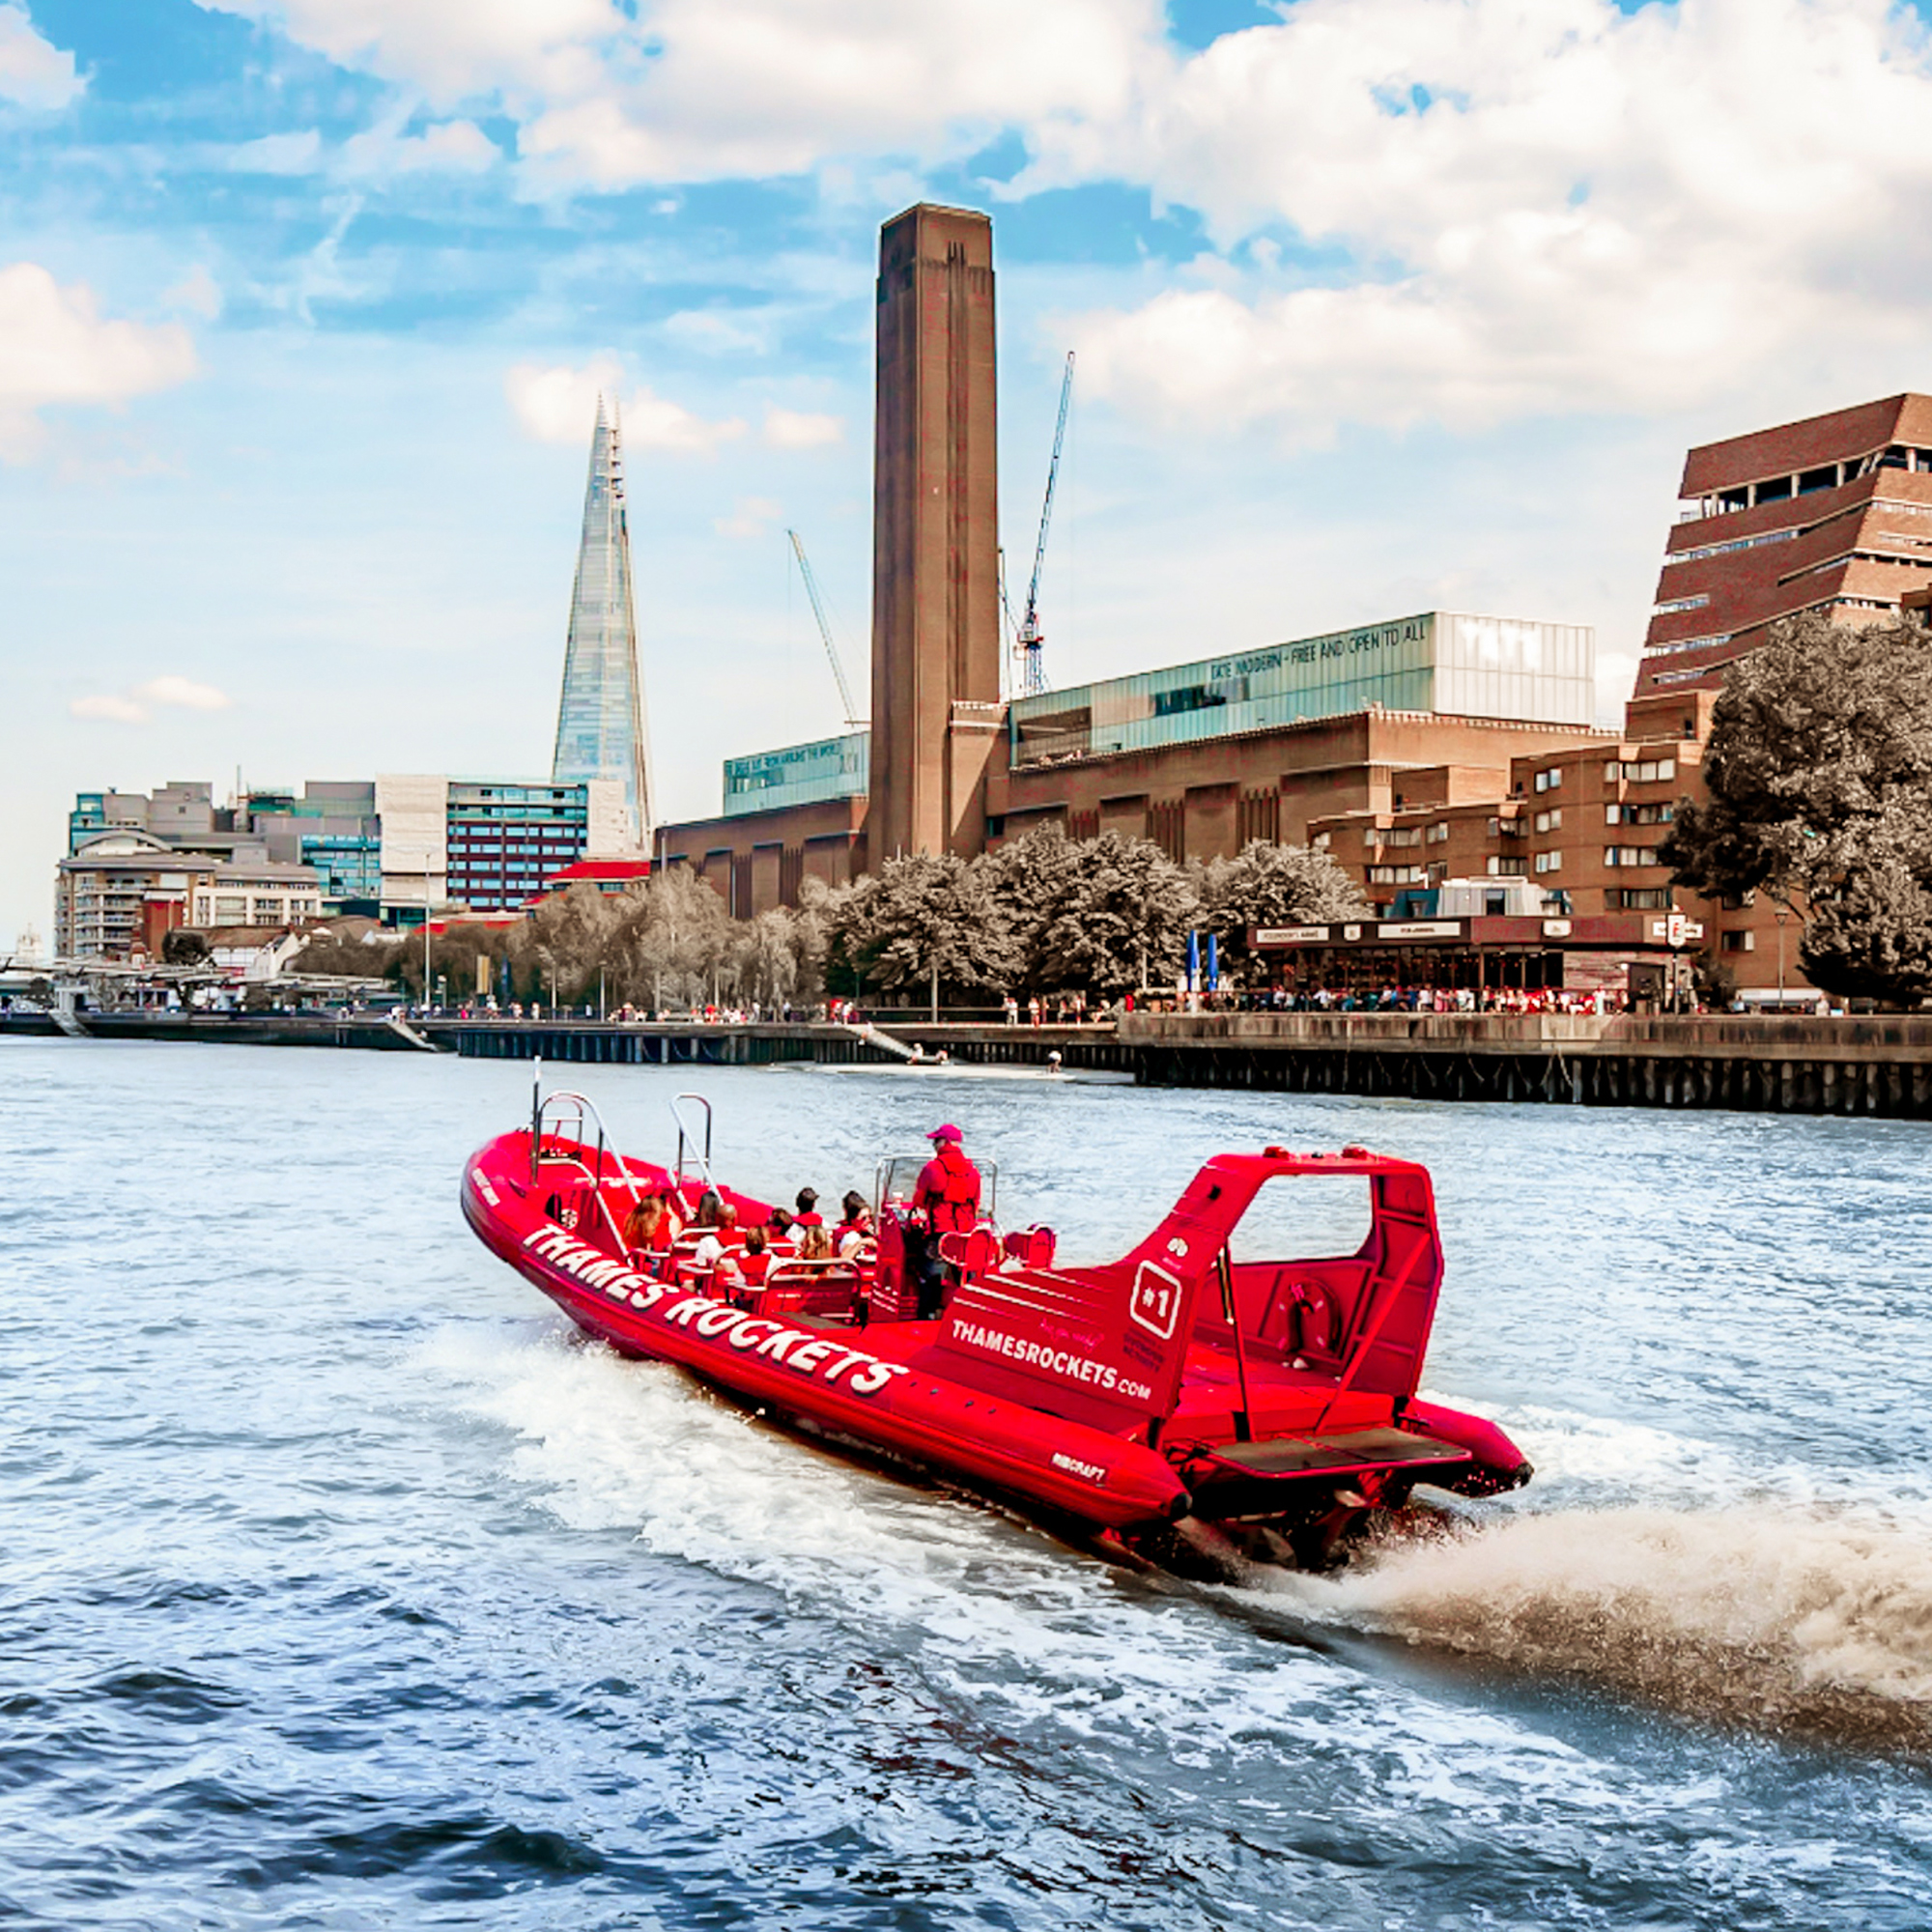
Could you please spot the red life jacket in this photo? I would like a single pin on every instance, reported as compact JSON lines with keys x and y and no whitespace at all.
{"x":949,"y":1190}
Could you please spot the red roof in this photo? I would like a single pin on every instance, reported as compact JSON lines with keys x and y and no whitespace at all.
{"x":610,"y":870}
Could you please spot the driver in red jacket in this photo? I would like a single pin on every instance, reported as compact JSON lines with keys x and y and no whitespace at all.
{"x":945,"y":1200}
{"x":948,"y":1190}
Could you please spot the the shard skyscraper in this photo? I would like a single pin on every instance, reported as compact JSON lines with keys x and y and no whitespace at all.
{"x":599,"y":718}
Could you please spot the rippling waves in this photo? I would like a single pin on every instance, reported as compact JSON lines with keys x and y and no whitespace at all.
{"x":340,"y":1585}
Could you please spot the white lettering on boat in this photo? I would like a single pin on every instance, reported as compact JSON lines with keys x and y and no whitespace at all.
{"x":816,"y":1356}
{"x":1093,"y":1472}
{"x":1055,"y":1361}
{"x":483,"y":1186}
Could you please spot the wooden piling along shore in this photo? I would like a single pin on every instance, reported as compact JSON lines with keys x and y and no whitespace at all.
{"x":1878,"y":1066}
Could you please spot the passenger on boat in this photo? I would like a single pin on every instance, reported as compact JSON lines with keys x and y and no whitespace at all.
{"x":778,"y":1225}
{"x":754,"y":1262}
{"x":709,"y":1205}
{"x":855,"y":1227}
{"x":814,"y":1243}
{"x":807,"y":1216}
{"x":645,"y":1226}
{"x":720,"y":1235}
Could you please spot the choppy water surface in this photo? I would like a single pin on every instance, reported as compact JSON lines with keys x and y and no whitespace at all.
{"x":340,"y":1587}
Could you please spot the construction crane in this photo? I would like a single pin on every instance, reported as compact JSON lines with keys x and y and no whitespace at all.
{"x":1027,"y":653}
{"x":852,"y":719}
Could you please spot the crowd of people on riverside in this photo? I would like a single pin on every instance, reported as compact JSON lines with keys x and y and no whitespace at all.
{"x":1387,"y":998}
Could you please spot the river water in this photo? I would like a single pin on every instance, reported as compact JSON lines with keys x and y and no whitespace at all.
{"x":341,"y":1587}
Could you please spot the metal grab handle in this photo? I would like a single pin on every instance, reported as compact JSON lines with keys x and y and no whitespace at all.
{"x":685,"y":1136}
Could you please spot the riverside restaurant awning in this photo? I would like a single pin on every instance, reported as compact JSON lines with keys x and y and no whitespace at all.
{"x":1578,"y":954}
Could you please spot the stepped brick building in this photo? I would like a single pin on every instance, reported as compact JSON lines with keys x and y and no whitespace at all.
{"x":1831,"y":514}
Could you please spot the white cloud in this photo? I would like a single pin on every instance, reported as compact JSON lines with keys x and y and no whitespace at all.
{"x":33,"y":71}
{"x":452,"y":50}
{"x":184,"y":694}
{"x":703,"y":90}
{"x":109,"y":705}
{"x":750,"y":517}
{"x":1537,"y":205}
{"x":559,"y":404}
{"x":56,"y":349}
{"x":134,"y":708}
{"x":449,"y":147}
{"x":1453,"y":210}
{"x":292,"y":154}
{"x":801,"y":429}
{"x":197,"y":292}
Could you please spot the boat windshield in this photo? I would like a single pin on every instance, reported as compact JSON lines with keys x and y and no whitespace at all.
{"x":898,"y":1178}
{"x":1304,"y":1218}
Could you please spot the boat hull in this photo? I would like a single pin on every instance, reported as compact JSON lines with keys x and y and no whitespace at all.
{"x":875,"y":1388}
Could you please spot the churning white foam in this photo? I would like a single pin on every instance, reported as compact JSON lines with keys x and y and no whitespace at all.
{"x":1783,"y":1619}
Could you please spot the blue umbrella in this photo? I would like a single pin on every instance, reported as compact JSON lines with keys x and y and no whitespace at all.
{"x":1214,"y":966}
{"x":1193,"y":962}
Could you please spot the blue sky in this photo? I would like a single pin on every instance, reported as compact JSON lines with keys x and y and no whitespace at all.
{"x":1379,"y":304}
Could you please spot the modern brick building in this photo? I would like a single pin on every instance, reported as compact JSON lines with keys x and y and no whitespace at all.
{"x":1418,"y":749}
{"x":1200,"y":757}
{"x":1831,"y":514}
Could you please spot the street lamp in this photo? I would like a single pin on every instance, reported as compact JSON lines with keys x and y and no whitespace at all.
{"x":1780,"y":914}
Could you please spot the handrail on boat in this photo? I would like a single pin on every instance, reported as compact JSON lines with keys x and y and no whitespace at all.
{"x":685,"y":1136}
{"x":556,"y":1108}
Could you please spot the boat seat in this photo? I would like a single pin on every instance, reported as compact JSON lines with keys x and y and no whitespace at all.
{"x":811,"y":1288}
{"x":972,"y":1252}
{"x":1030,"y":1247}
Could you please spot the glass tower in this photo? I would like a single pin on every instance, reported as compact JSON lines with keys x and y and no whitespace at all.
{"x":599,"y":718}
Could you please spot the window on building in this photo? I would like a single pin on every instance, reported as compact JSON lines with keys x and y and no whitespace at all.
{"x":1508,"y":868}
{"x":1395,"y":875}
{"x":1548,"y":821}
{"x":1550,"y":862}
{"x":1371,"y":834}
{"x":1738,"y":901}
{"x":1629,"y":855}
{"x":1549,"y":781}
{"x":1640,"y":898}
{"x":1323,"y":840}
{"x":1742,"y":941}
{"x":1438,"y":831}
{"x":1406,"y":835}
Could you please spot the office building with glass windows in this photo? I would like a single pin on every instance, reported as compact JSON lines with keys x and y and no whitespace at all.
{"x":600,"y":720}
{"x":487,"y":843}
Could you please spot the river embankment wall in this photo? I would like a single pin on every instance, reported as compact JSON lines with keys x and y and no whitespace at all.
{"x":1783,"y":1064}
{"x":1877,"y":1064}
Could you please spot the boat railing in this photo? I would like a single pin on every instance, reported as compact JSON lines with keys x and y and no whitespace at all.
{"x":686,"y":1139}
{"x":551,"y":1113}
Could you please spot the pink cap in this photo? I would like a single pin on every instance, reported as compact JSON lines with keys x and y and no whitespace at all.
{"x":948,"y":1133}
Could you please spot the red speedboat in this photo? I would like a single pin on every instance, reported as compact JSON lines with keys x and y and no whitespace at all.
{"x":1188,"y":1403}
